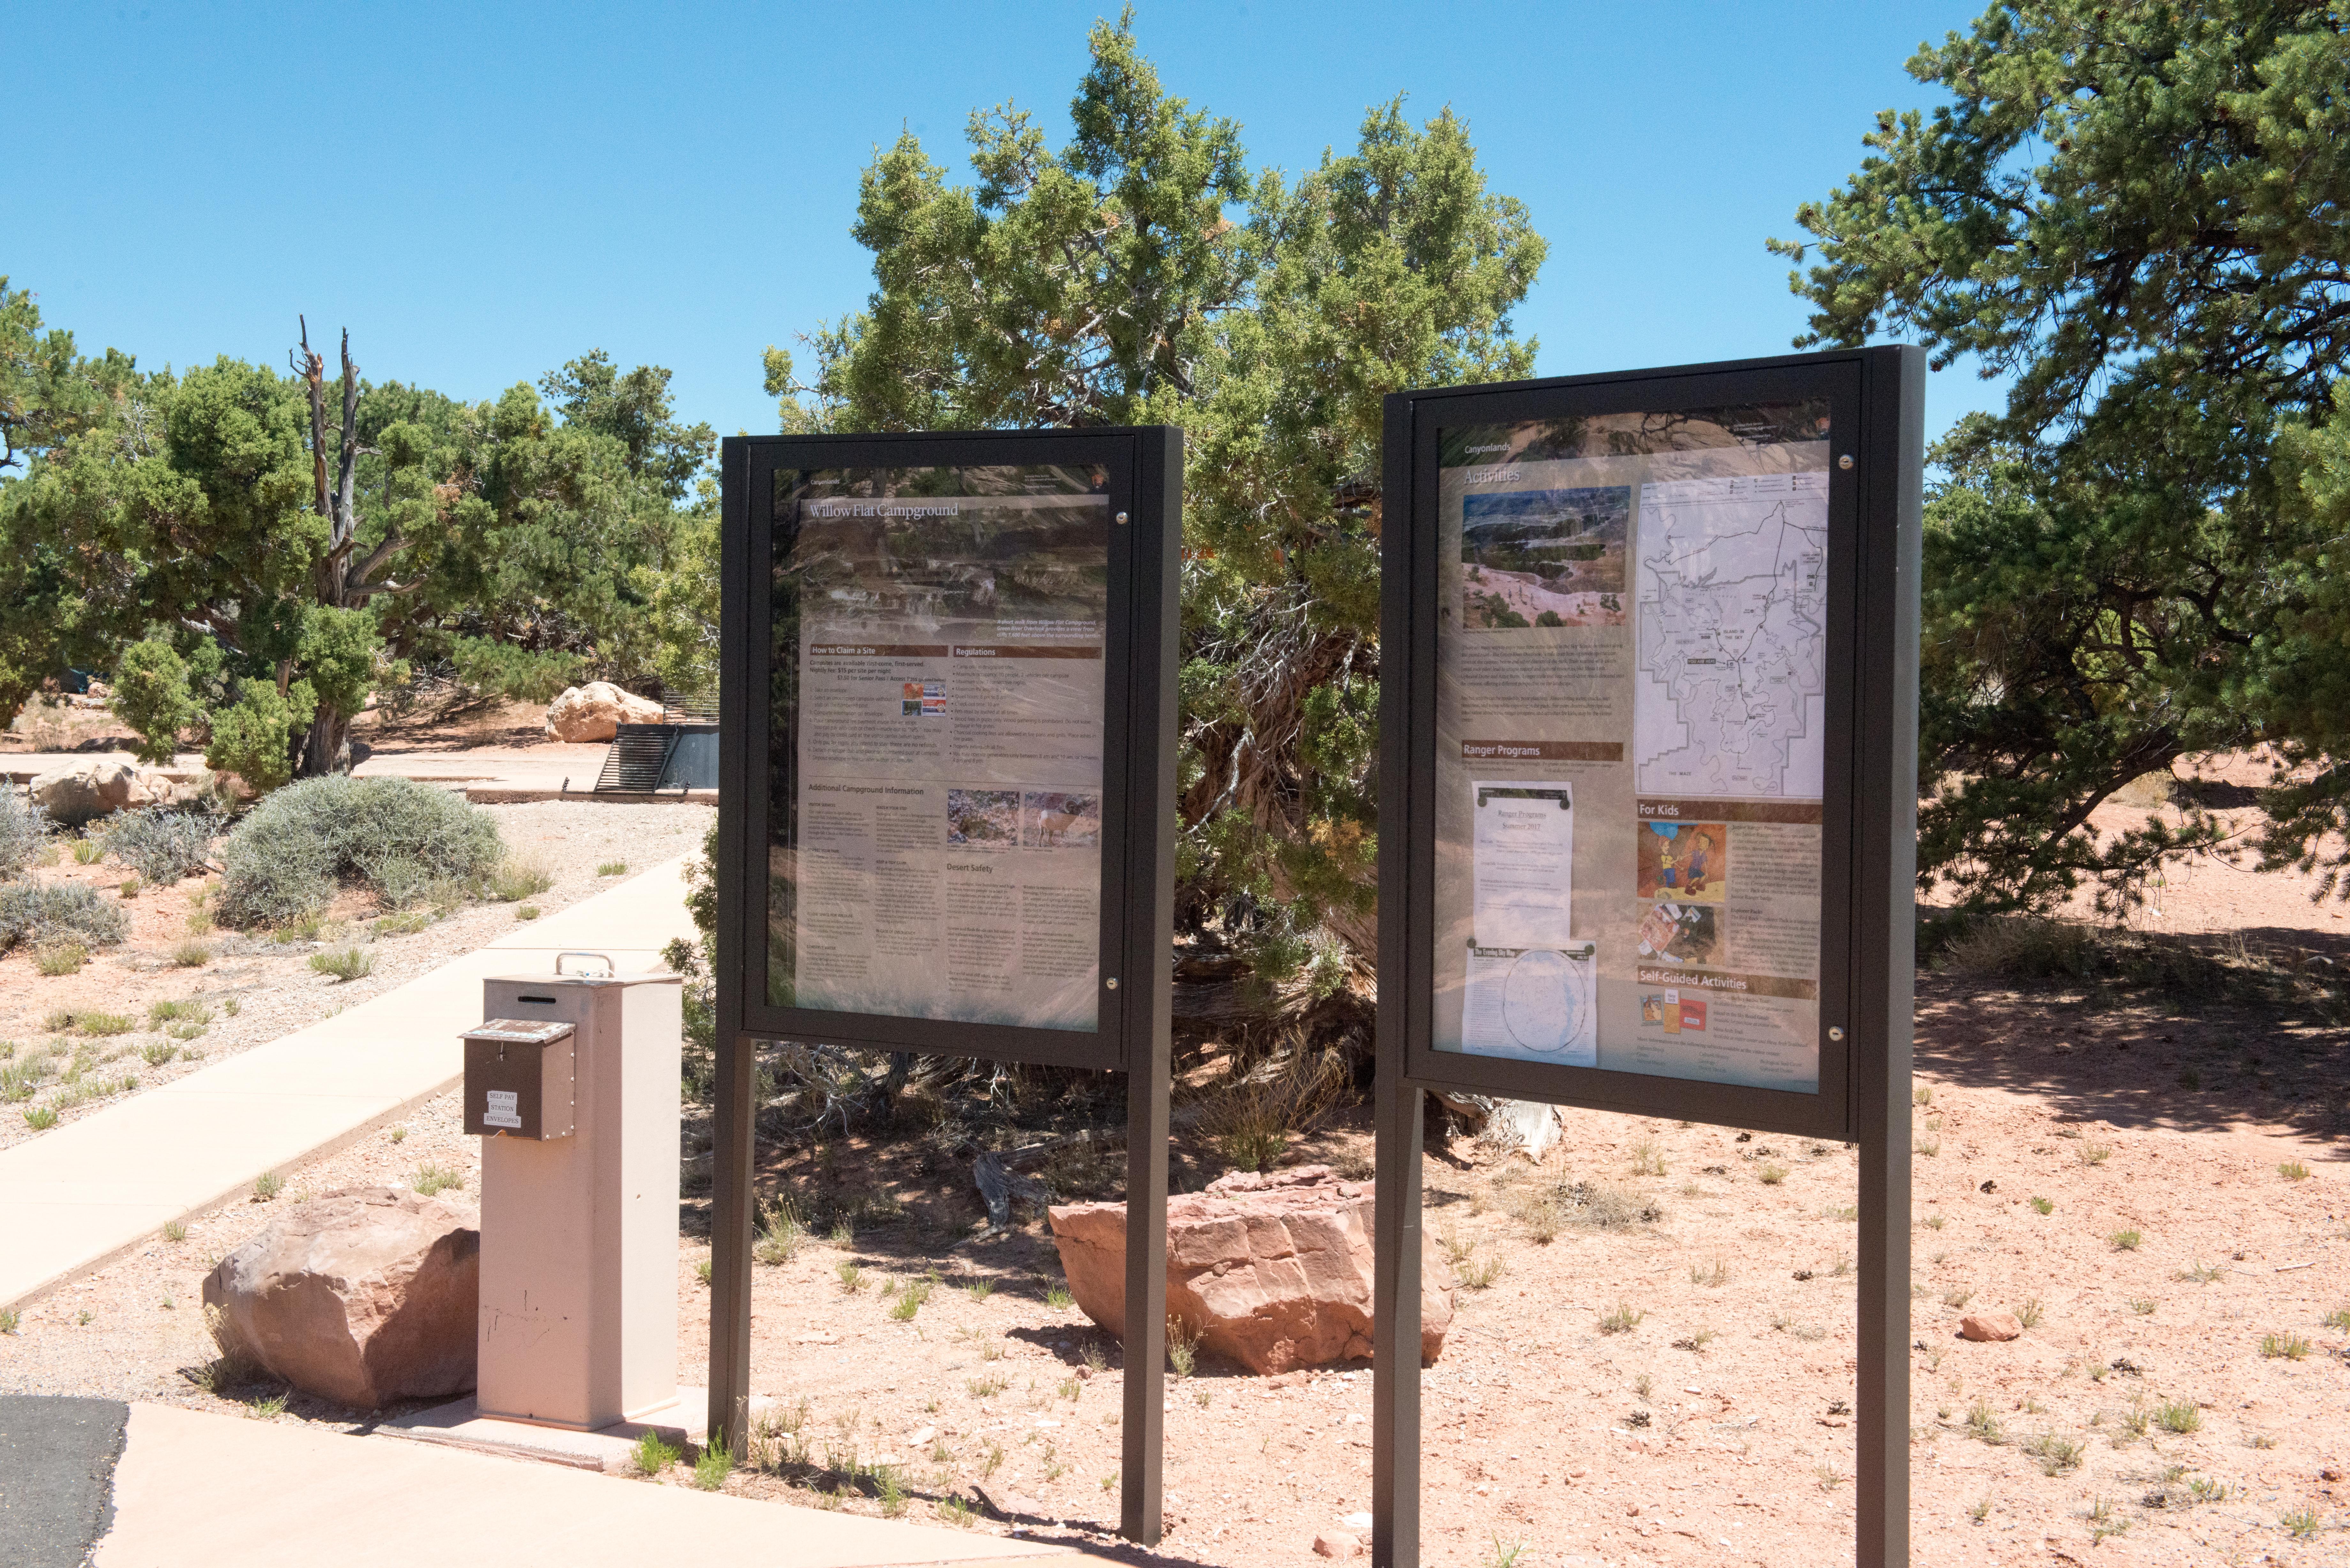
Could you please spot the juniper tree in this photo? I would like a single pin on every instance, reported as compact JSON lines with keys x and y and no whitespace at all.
{"x":2136,"y":212}
{"x":1143,"y":273}
{"x":251,"y":554}
{"x":49,"y":392}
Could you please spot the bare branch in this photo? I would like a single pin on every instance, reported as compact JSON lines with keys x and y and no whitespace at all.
{"x":345,"y":521}
{"x":356,"y":579}
{"x":312,"y":370}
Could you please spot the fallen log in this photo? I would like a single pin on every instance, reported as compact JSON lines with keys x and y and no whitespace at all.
{"x":1002,"y":1178}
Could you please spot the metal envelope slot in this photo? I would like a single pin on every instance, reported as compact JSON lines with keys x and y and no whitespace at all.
{"x":519,"y":1031}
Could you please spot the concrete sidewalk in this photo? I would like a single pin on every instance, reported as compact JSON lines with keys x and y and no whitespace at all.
{"x":74,"y":1199}
{"x":195,"y":1490}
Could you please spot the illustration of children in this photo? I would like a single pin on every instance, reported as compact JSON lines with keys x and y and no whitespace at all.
{"x":1700,"y":850}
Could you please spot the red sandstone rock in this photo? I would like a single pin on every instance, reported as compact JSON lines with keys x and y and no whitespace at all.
{"x":1274,"y":1269}
{"x":1336,"y":1543}
{"x":361,"y":1297}
{"x":1990,"y":1325}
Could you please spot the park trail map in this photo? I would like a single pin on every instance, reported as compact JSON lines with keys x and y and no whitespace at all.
{"x":1733,"y":655}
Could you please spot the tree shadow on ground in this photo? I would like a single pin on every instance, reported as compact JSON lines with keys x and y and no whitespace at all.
{"x":2212,"y":1033}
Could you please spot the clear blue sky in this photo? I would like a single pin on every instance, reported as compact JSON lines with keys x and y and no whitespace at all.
{"x":480,"y":192}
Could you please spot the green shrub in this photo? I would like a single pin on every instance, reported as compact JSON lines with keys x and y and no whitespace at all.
{"x":653,"y":1455}
{"x":46,"y":912}
{"x":284,"y":860}
{"x":401,"y":882}
{"x":779,"y":1242}
{"x":192,"y":955}
{"x":349,"y":964}
{"x":23,"y":828}
{"x":517,"y":878}
{"x":162,"y":846}
{"x":18,"y":1080}
{"x":87,"y":852}
{"x":433,"y":1179}
{"x":61,"y":958}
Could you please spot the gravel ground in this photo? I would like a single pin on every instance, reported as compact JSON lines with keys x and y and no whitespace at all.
{"x":134,"y":1330}
{"x":256,"y":989}
{"x":2156,"y":1180}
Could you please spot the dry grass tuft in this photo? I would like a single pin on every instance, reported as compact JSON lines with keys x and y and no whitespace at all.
{"x":1251,"y":1115}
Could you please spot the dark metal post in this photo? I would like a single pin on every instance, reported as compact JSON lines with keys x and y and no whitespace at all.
{"x":731,"y":1134}
{"x":1148,"y":974}
{"x":1396,"y":1229}
{"x":1395,"y":1330}
{"x":1141,"y":1506}
{"x":1885,"y":828}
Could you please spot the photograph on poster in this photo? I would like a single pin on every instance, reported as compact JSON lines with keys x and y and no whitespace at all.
{"x":1543,"y":557}
{"x":939,"y":695}
{"x":987,"y":817}
{"x":1681,"y":933}
{"x":1630,"y":727}
{"x":1052,"y":820}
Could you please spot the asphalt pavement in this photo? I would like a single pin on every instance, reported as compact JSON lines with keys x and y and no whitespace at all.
{"x":56,"y":1477}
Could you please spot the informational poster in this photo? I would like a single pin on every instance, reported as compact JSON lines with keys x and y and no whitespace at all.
{"x":1630,"y":724}
{"x":938,"y":705}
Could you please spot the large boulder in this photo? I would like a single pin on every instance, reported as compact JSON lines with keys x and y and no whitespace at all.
{"x":596,"y":712}
{"x":81,"y":792}
{"x":362,"y":1297}
{"x":1272,"y":1269}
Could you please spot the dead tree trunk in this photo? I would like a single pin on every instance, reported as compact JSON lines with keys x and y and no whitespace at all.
{"x":341,"y":581}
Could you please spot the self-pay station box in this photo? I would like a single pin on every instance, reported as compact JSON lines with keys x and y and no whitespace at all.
{"x":573,"y":1084}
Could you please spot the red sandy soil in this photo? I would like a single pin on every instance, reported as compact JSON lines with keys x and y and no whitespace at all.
{"x":1711,"y":1430}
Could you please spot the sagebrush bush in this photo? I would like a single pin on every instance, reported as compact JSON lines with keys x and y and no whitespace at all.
{"x":23,"y":827}
{"x":284,"y":860}
{"x":44,"y":913}
{"x":162,"y":846}
{"x":2024,"y":947}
